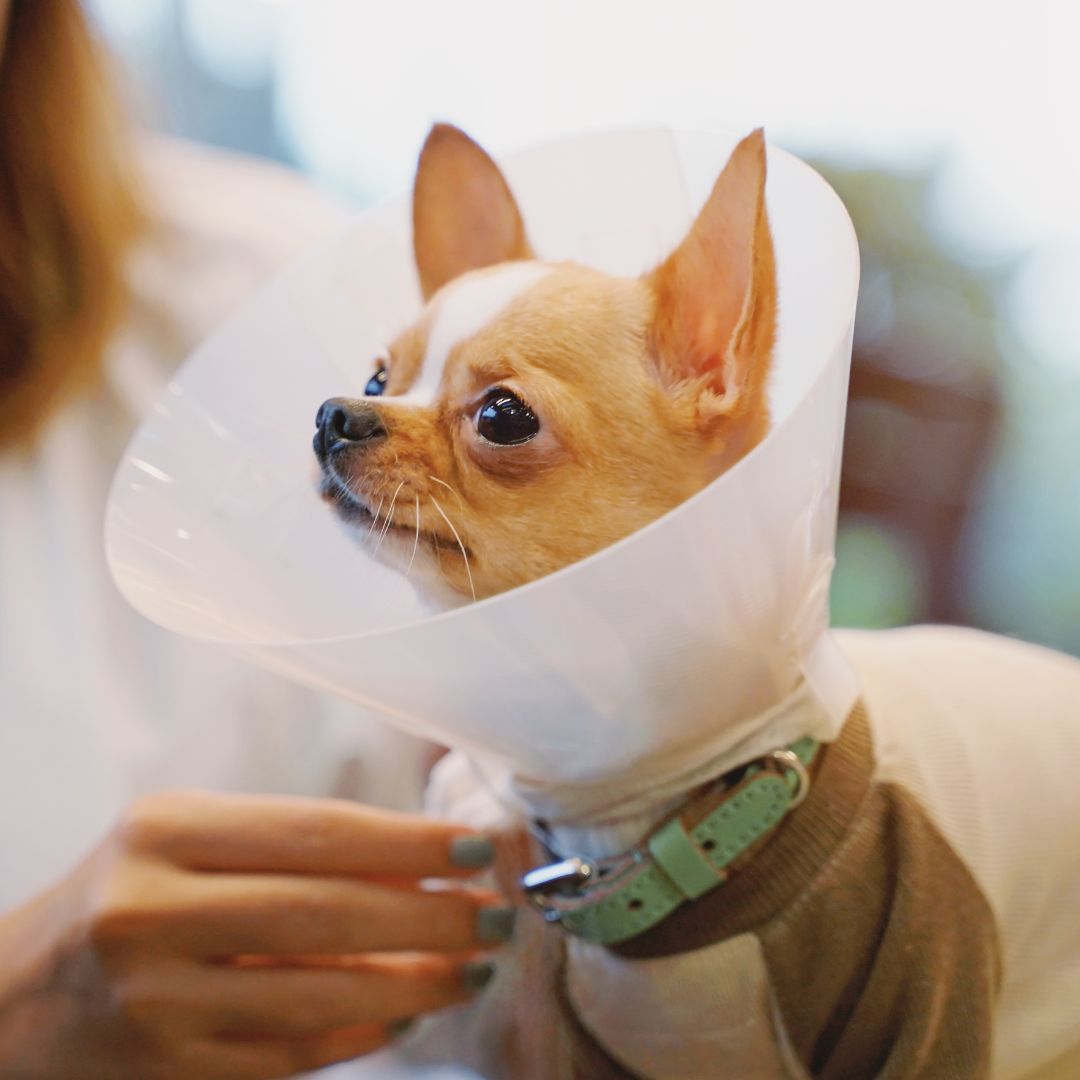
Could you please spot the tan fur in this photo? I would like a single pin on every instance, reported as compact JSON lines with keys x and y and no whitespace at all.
{"x":645,"y":388}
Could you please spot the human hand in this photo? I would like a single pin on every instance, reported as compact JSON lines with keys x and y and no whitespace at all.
{"x":241,"y":936}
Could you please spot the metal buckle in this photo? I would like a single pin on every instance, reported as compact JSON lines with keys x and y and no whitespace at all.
{"x":566,"y":876}
{"x":787,"y":760}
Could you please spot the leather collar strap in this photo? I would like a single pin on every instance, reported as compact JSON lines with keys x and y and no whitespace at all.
{"x":687,"y":855}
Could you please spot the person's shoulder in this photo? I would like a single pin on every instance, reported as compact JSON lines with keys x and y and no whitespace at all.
{"x":220,"y":225}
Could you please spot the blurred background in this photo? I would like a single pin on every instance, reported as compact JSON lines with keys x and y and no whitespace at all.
{"x":949,"y":129}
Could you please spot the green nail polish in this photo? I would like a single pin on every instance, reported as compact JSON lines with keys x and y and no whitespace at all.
{"x":476,"y":975}
{"x":472,"y":852}
{"x":397,"y":1028}
{"x":494,"y":925}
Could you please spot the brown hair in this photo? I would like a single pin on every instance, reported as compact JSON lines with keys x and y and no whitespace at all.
{"x":68,"y":212}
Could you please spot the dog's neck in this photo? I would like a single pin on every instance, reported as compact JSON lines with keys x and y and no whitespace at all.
{"x":611,"y":815}
{"x":608,"y":836}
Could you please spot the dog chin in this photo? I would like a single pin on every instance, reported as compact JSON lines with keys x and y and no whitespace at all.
{"x":399,"y":548}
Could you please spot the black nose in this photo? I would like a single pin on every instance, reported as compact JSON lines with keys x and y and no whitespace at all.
{"x":346,"y":421}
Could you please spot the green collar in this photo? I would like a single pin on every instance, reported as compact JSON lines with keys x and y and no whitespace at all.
{"x":611,"y":900}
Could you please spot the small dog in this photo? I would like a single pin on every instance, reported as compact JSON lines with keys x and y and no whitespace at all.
{"x":537,"y":412}
{"x":915,"y":917}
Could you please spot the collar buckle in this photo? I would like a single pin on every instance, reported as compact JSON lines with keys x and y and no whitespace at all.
{"x":566,"y":877}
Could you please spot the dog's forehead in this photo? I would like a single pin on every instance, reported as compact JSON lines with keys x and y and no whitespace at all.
{"x":463,"y":308}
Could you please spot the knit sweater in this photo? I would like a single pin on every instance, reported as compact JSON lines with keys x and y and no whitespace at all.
{"x":917,"y":916}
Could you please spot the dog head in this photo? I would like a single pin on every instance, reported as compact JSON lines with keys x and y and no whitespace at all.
{"x":536,"y":412}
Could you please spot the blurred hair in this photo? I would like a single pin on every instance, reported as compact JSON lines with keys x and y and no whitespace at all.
{"x":69,"y":211}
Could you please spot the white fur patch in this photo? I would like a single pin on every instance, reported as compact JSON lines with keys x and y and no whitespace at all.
{"x":465,"y":308}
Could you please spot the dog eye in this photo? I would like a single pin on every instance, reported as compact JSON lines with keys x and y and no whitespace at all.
{"x":505,"y":419}
{"x":377,"y":383}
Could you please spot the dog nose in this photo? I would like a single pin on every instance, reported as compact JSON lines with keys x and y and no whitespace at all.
{"x":346,"y":420}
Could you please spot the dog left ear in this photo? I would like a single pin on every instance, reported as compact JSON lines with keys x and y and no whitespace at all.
{"x":464,"y":214}
{"x":715,"y":317}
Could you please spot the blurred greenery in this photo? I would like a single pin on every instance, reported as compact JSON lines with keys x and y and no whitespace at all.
{"x":927,"y":532}
{"x":878,"y":577}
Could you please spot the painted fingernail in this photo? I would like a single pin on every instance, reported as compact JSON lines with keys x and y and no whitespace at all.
{"x":397,"y":1028}
{"x":476,"y":975}
{"x":495,"y":925}
{"x":472,"y":852}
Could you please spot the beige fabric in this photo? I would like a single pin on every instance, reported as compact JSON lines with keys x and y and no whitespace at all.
{"x":985,"y":733}
{"x":888,"y":965}
{"x":881,"y":950}
{"x":721,"y":993}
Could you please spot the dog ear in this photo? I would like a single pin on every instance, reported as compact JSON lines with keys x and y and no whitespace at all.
{"x":464,"y":215}
{"x":715,"y":318}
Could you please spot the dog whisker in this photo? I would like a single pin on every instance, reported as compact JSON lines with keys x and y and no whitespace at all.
{"x":389,"y":518}
{"x":464,"y":553}
{"x":461,"y":502}
{"x":416,"y":542}
{"x":375,"y":517}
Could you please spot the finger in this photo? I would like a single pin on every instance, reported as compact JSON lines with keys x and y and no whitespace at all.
{"x":278,"y":834}
{"x":224,"y":915}
{"x":289,"y":1002}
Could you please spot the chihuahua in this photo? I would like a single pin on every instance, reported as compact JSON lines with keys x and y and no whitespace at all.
{"x":536,"y":412}
{"x":906,"y":919}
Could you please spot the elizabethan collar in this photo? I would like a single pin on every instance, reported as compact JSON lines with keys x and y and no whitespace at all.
{"x":652,"y":652}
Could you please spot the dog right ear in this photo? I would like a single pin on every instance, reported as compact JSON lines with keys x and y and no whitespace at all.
{"x":464,"y":215}
{"x":715,"y":316}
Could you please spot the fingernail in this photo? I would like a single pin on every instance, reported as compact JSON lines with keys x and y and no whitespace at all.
{"x":495,"y":925}
{"x":476,"y":975}
{"x":397,"y":1028}
{"x":472,"y":852}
